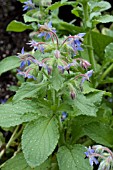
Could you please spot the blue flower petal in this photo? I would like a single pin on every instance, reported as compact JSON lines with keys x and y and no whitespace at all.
{"x":22,"y":51}
{"x":81,"y":34}
{"x":22,"y":64}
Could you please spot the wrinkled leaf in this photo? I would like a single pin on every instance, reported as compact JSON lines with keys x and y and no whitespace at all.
{"x":18,"y":162}
{"x":72,"y":158}
{"x":13,"y":114}
{"x":28,"y":90}
{"x":39,"y":140}
{"x":83,"y":106}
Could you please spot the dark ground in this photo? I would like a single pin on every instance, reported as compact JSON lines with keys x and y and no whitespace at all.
{"x":10,"y":42}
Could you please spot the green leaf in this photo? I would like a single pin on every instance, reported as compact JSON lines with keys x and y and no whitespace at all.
{"x":18,"y":162}
{"x":17,"y":26}
{"x":72,"y":158}
{"x":78,"y":123}
{"x":99,"y":6}
{"x":22,"y":1}
{"x":95,"y":97}
{"x":83,"y":106}
{"x":57,"y":80}
{"x":70,"y":27}
{"x":29,"y":19}
{"x":109,"y":52}
{"x":104,"y":19}
{"x":101,"y":133}
{"x":9,"y":63}
{"x":39,"y":140}
{"x":11,"y":115}
{"x":28,"y":90}
{"x":99,"y":43}
{"x":59,"y":4}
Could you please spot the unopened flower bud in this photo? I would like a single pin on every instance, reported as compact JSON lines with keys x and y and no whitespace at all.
{"x":49,"y":70}
{"x":57,"y":54}
{"x":72,"y":94}
{"x":85,"y":64}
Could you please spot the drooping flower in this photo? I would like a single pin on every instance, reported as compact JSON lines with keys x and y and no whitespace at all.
{"x":89,"y":154}
{"x":25,"y":58}
{"x":37,"y":45}
{"x":46,"y":30}
{"x":86,"y":76}
{"x":26,"y":74}
{"x":28,"y":5}
{"x":75,"y":42}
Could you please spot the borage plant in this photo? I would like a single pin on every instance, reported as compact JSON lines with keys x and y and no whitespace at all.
{"x":47,"y":102}
{"x":56,"y":110}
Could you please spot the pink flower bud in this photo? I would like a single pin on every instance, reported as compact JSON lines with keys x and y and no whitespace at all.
{"x":57,"y":54}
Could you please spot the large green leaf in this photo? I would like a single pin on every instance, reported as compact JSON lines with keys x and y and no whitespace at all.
{"x":17,"y":26}
{"x":18,"y":162}
{"x":9,"y":63}
{"x":39,"y":140}
{"x":101,"y":133}
{"x":83,"y":106}
{"x":72,"y":158}
{"x":78,"y":123}
{"x":13,"y":114}
{"x":28,"y":90}
{"x":99,"y":43}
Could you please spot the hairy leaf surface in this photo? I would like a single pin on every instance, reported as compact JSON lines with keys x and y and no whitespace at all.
{"x":18,"y":162}
{"x":72,"y":158}
{"x":39,"y":140}
{"x":13,"y":114}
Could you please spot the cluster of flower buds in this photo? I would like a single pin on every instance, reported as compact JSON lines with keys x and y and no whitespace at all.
{"x":100,"y":155}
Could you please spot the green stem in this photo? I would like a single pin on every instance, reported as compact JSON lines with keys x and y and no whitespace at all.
{"x":106,"y":72}
{"x":86,"y":15}
{"x":62,"y":139}
{"x":10,"y":141}
{"x":90,"y":51}
{"x":88,"y":38}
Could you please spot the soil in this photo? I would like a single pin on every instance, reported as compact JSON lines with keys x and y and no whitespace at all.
{"x":10,"y":42}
